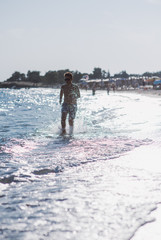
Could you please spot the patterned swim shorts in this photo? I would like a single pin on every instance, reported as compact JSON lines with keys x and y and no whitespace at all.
{"x":69,"y":108}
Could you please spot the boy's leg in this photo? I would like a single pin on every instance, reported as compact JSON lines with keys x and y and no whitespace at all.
{"x":64,"y":112}
{"x":63,"y":121}
{"x":72,"y":114}
{"x":71,"y":123}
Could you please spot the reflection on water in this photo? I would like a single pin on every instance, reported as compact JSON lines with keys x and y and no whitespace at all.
{"x":101,"y":184}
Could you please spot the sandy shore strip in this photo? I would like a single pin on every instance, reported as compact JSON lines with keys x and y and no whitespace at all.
{"x":149,"y":91}
{"x":150,"y":231}
{"x":143,"y":158}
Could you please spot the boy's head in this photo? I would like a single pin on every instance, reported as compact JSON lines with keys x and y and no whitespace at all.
{"x":68,"y":77}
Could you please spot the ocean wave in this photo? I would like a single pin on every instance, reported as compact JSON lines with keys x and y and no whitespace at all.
{"x":45,"y":171}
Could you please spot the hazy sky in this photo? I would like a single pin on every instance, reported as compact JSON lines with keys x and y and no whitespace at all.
{"x":114,"y":35}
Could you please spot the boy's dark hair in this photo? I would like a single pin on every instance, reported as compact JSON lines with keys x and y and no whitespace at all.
{"x":68,"y":75}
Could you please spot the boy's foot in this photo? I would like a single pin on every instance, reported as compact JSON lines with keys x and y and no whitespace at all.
{"x":63,"y":132}
{"x":71,"y":130}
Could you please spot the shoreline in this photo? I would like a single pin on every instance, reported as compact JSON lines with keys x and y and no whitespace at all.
{"x":142,"y":158}
{"x":147,"y":90}
{"x":150,"y":92}
{"x":21,"y":84}
{"x":152,"y":229}
{"x":143,"y":91}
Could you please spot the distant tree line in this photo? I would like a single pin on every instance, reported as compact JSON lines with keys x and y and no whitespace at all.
{"x":50,"y":77}
{"x":57,"y":77}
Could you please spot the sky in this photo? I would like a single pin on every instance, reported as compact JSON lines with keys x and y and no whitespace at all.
{"x":80,"y":35}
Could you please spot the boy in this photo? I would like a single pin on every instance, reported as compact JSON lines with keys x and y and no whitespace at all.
{"x":71,"y":93}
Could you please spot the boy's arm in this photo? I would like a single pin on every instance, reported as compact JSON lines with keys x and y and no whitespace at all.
{"x":61,"y":95}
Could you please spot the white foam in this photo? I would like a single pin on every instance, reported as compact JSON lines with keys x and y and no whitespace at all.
{"x":150,"y":231}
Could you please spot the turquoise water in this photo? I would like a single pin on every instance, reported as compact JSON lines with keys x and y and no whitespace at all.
{"x":99,"y":184}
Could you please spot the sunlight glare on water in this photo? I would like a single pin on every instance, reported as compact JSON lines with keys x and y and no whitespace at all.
{"x":103,"y":183}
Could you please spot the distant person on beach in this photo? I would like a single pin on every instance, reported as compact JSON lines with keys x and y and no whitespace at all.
{"x":108,"y":88}
{"x":93,"y":89}
{"x":70,"y":92}
{"x":113,"y":87}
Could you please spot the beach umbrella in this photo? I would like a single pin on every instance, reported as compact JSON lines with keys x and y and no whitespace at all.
{"x":156,"y":82}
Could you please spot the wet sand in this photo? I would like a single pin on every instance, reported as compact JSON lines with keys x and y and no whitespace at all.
{"x":151,"y":230}
{"x":149,"y":160}
{"x":149,"y":92}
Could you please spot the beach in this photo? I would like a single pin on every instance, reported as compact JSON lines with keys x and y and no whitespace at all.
{"x":151,"y":230}
{"x":101,"y":183}
{"x":141,"y":158}
{"x":149,"y":92}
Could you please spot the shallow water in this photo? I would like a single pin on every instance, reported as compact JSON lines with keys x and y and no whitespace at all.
{"x":103,"y":183}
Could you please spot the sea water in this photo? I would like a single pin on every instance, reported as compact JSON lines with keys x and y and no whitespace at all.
{"x":101,"y":183}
